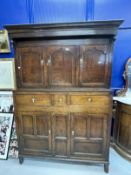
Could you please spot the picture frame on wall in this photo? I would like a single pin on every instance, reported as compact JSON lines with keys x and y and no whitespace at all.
{"x":7,"y":106}
{"x":4,"y":42}
{"x":6,"y":120}
{"x":6,"y":102}
{"x":7,"y":74}
{"x":13,"y":147}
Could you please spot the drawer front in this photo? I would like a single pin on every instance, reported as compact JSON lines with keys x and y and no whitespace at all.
{"x":89,"y":100}
{"x":34,"y":99}
{"x":63,"y":102}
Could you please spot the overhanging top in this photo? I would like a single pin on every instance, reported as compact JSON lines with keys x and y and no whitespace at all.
{"x":99,"y":28}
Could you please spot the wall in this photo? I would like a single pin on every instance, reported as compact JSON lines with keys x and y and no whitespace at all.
{"x":51,"y":11}
{"x":42,"y":11}
{"x":117,"y":9}
{"x":13,"y":12}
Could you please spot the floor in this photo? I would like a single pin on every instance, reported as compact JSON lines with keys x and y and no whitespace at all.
{"x":118,"y":166}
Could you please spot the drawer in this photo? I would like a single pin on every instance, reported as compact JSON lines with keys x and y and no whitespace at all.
{"x":33,"y":99}
{"x":88,"y":99}
{"x":59,"y":99}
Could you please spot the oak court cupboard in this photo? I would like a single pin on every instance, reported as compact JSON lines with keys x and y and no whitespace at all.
{"x":63,"y":101}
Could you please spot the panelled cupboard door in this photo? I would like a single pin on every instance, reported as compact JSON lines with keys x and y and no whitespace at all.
{"x":30,"y":66}
{"x":61,"y":65}
{"x":66,"y":65}
{"x":60,"y":134}
{"x":94,"y":66}
{"x":88,"y":135}
{"x":35,"y":133}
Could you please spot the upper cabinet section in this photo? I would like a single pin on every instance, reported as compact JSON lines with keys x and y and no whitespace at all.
{"x":64,"y":55}
{"x":82,"y":64}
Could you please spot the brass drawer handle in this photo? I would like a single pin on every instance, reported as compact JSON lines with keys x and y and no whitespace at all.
{"x":33,"y":100}
{"x":89,"y":99}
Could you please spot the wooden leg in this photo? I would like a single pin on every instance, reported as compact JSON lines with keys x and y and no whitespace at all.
{"x":106,"y":167}
{"x":21,"y":159}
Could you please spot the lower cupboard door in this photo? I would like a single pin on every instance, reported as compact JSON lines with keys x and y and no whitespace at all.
{"x":60,"y":135}
{"x":88,"y":135}
{"x":35,"y":136}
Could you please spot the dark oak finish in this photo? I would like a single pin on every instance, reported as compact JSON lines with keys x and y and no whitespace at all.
{"x":94,"y":57}
{"x":63,"y":101}
{"x":30,"y":67}
{"x":122,"y":130}
{"x":86,"y":29}
{"x":65,"y":65}
{"x":60,"y":135}
{"x":88,"y":135}
{"x":61,"y":61}
{"x":35,"y":133}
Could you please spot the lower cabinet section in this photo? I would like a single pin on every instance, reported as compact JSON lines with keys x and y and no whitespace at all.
{"x":66,"y":135}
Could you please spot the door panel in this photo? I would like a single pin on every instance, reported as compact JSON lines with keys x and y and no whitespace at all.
{"x":90,"y":148}
{"x":43,"y":126}
{"x":30,"y":66}
{"x":61,"y":64}
{"x":35,"y":145}
{"x":124,"y":130}
{"x":60,"y":134}
{"x":36,"y":132}
{"x":80,"y":126}
{"x":96,"y":127}
{"x":27,"y":124}
{"x":93,"y":66}
{"x":88,"y":134}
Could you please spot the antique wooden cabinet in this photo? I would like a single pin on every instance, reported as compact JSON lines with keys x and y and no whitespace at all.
{"x":122,"y":130}
{"x":122,"y":119}
{"x":63,"y":101}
